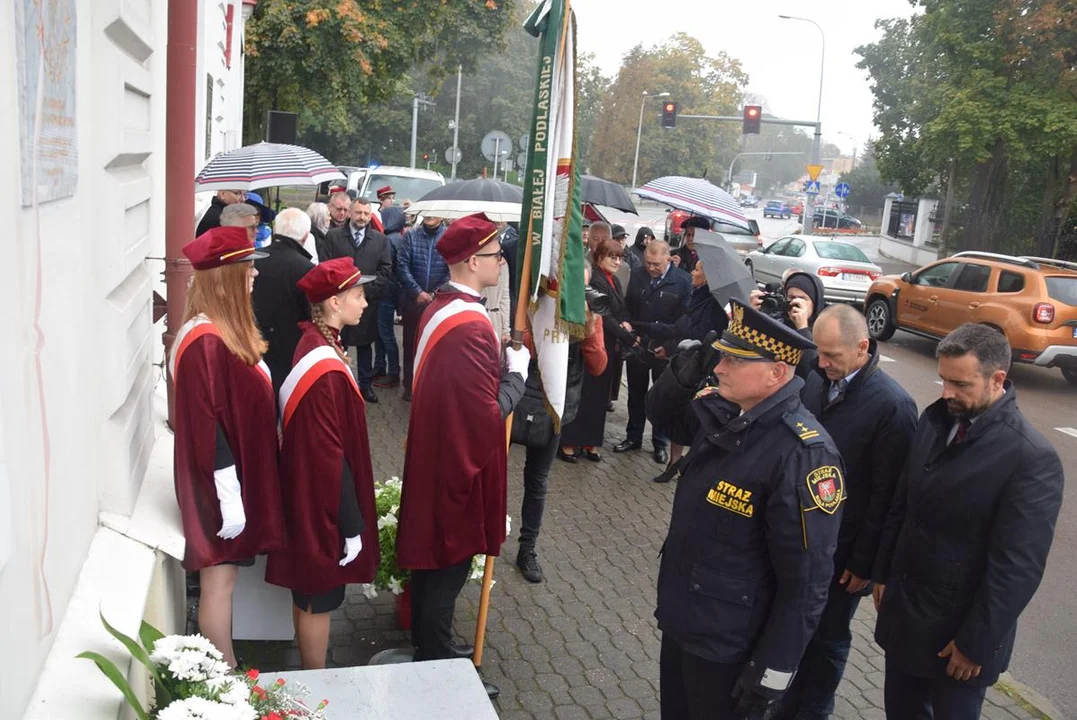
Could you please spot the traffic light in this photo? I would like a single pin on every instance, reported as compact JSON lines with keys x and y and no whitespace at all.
{"x":753,"y":114}
{"x":669,"y":115}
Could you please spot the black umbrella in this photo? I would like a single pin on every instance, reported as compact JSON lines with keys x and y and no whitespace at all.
{"x":597,"y":191}
{"x":500,"y":201}
{"x":727,"y":275}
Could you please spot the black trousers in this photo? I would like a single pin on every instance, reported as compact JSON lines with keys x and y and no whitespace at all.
{"x":693,"y":688}
{"x":811,"y":695}
{"x":433,"y":602}
{"x":914,"y":698}
{"x":410,"y":313}
{"x":640,"y":376}
{"x":364,"y":364}
{"x":537,"y":464}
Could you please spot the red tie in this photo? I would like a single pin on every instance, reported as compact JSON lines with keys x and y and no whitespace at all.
{"x":963,"y":426}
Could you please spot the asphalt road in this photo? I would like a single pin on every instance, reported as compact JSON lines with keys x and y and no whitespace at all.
{"x":1047,"y":633}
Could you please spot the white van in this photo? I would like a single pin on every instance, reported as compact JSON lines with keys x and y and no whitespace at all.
{"x":407,"y":183}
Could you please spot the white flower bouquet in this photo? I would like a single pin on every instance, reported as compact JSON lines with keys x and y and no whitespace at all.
{"x":192,"y":682}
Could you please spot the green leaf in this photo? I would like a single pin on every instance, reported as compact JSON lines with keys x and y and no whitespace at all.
{"x":113,"y":673}
{"x":140,"y":654}
{"x":149,"y":635}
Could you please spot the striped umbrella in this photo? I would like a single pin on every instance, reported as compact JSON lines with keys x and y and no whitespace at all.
{"x":500,"y":201}
{"x":265,"y":165}
{"x":696,"y":196}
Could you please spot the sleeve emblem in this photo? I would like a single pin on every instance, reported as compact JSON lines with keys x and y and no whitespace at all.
{"x":827,"y":488}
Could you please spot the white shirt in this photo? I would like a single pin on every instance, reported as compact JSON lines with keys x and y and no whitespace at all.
{"x":465,"y":289}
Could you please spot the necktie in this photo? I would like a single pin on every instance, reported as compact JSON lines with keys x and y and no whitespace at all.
{"x":836,"y":388}
{"x":654,"y":283}
{"x":963,"y":426}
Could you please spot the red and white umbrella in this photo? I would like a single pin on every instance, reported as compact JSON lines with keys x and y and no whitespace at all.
{"x":265,"y":165}
{"x":696,"y":196}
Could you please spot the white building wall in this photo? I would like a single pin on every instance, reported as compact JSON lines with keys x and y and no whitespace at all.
{"x":76,"y":373}
{"x":223,"y":125}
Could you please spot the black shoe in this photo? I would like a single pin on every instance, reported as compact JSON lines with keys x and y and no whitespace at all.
{"x":406,"y":395}
{"x":529,"y":567}
{"x":661,"y":455}
{"x":387,"y":381}
{"x":491,"y":690}
{"x":368,"y":394}
{"x":592,"y":455}
{"x":627,"y":444}
{"x":669,"y":473}
{"x":463,"y":651}
{"x":609,"y":406}
{"x":566,"y":457}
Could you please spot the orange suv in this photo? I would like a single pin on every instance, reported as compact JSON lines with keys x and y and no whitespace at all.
{"x":1031,"y":300}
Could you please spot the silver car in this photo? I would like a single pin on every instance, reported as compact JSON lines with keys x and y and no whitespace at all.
{"x":845,"y":270}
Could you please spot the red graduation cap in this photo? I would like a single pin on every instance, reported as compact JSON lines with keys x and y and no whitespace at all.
{"x":221,"y":246}
{"x":465,"y":237}
{"x":326,"y":279}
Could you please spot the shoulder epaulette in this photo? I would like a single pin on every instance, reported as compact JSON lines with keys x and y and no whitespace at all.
{"x":804,"y":426}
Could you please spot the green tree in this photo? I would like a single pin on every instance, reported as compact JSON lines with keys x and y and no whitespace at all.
{"x":866,"y":186}
{"x":699,"y":84}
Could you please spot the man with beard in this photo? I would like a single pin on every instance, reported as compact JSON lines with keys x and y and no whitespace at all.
{"x":966,"y":540}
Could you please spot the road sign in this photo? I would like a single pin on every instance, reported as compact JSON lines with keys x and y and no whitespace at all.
{"x":524,"y":140}
{"x":521,"y":160}
{"x":497,"y":142}
{"x":813,"y":172}
{"x":812,"y":187}
{"x":453,"y":155}
{"x":842,"y":190}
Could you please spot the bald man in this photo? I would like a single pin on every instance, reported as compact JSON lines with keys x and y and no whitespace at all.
{"x":872,"y":421}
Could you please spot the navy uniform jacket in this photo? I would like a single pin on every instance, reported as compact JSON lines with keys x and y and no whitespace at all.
{"x":966,"y":541}
{"x":748,"y":558}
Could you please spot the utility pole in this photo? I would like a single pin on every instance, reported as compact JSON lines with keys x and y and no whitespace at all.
{"x":456,"y":120}
{"x":416,"y":100}
{"x":809,"y":207}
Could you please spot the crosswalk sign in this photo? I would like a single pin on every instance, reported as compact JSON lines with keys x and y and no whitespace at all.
{"x":812,"y":187}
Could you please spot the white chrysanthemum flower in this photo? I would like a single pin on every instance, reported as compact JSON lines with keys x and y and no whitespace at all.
{"x":395,"y":586}
{"x":370,"y":591}
{"x":234,"y":690}
{"x":394,"y":509}
{"x":196,"y":708}
{"x":387,"y":520}
{"x":508,"y":525}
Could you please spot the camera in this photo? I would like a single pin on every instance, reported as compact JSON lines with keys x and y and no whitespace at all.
{"x":775,"y":304}
{"x":597,"y":302}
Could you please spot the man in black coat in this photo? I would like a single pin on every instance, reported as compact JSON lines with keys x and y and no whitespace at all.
{"x":747,"y":560}
{"x":657,"y":296}
{"x":372,"y":254}
{"x":212,"y":217}
{"x":966,"y":541}
{"x":279,"y":304}
{"x":872,"y":421}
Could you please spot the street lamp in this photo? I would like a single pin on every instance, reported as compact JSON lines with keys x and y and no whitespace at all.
{"x":817,"y":145}
{"x":639,"y":131}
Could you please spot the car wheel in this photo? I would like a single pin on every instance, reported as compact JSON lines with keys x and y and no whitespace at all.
{"x":880,"y":325}
{"x":1070,"y":373}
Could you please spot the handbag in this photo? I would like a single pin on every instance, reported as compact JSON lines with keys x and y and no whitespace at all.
{"x":531,"y":424}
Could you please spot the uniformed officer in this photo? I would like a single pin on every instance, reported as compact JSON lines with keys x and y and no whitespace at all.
{"x":748,"y":558}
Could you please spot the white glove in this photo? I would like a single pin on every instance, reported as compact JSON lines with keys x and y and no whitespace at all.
{"x":233,"y":519}
{"x":352,"y":547}
{"x":518,"y":360}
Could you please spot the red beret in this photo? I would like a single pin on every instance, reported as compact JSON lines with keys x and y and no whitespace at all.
{"x":465,"y":237}
{"x":326,"y":279}
{"x":221,"y":246}
{"x":387,"y":190}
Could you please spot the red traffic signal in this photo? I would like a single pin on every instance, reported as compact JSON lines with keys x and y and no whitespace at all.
{"x":753,"y":115}
{"x":669,"y":115}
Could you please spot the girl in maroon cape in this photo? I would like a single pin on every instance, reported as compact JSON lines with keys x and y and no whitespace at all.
{"x":225,"y":428}
{"x":326,"y":476}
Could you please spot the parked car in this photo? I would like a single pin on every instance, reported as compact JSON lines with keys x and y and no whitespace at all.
{"x":834,"y":219}
{"x":743,"y":241}
{"x":1031,"y":300}
{"x":749,"y":201}
{"x":797,"y":208}
{"x":777,"y":209}
{"x":408,"y":183}
{"x":845,"y":270}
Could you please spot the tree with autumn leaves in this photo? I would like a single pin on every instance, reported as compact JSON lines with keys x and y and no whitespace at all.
{"x":977,"y":100}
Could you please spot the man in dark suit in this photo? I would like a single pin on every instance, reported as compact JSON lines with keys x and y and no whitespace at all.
{"x":279,"y":304}
{"x":372,"y":254}
{"x":657,"y":296}
{"x":967,"y":536}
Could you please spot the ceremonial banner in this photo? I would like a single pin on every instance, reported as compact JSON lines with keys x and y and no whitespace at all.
{"x":551,"y":256}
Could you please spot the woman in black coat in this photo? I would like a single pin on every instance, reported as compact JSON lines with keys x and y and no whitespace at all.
{"x":586,"y":432}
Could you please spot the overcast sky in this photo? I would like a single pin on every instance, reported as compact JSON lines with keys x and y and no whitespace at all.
{"x":781,"y":57}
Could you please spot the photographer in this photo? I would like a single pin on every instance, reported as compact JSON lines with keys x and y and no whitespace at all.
{"x":796,"y":305}
{"x":656,"y":299}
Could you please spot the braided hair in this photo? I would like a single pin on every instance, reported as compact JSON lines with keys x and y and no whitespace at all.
{"x":317,"y":316}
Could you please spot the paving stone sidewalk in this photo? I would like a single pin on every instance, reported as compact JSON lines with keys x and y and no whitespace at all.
{"x":584,"y":644}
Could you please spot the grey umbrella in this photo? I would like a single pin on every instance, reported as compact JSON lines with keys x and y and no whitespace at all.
{"x":727,"y":275}
{"x":500,"y":201}
{"x":597,"y":191}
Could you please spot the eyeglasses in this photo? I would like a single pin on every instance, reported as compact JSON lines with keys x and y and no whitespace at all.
{"x":499,"y":253}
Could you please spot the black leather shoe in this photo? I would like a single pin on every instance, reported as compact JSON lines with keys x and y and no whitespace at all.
{"x":369,"y":395}
{"x":529,"y":567}
{"x":406,"y":395}
{"x":592,"y":455}
{"x":609,"y":406}
{"x":668,"y":474}
{"x":566,"y":457}
{"x":491,"y":690}
{"x":626,"y":445}
{"x":463,"y":651}
{"x":661,"y":455}
{"x":387,"y":381}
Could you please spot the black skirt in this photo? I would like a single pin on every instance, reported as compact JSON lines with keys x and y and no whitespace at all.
{"x":321,"y":603}
{"x":588,"y":428}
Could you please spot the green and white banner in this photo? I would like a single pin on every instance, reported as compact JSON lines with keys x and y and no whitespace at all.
{"x":551,"y":228}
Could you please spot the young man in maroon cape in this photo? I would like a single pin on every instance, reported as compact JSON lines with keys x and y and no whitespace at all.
{"x":454,"y":488}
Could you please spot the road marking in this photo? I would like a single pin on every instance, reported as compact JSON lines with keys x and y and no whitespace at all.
{"x":884,"y":358}
{"x":1072,"y":432}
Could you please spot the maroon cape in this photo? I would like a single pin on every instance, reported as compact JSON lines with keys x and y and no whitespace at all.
{"x":214,"y":387}
{"x":454,"y":486}
{"x":326,"y":427}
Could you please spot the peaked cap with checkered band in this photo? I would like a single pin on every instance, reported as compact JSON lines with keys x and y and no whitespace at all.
{"x":754,"y":336}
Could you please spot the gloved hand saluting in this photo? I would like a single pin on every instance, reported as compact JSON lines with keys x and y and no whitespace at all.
{"x":518,"y":360}
{"x":352,"y":547}
{"x":233,"y":518}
